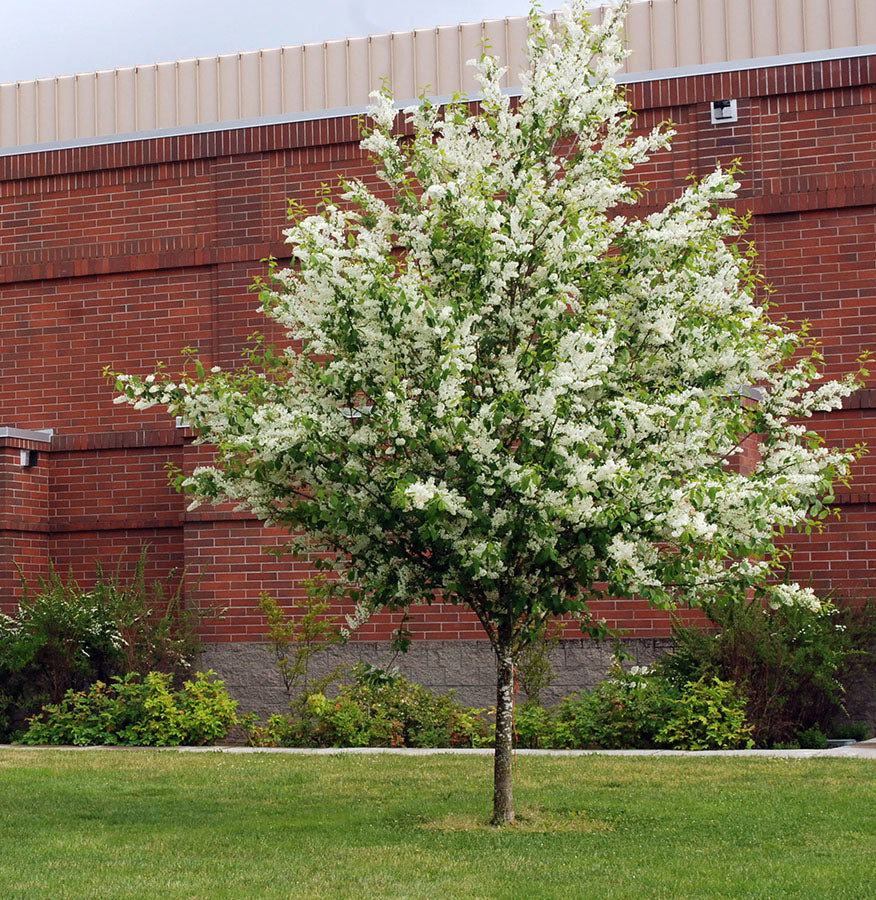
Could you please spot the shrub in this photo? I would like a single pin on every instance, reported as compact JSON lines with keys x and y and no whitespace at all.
{"x":136,"y":710}
{"x":855,"y":731}
{"x":341,"y":722}
{"x":623,"y":712}
{"x":65,"y":637}
{"x":533,"y":727}
{"x":423,"y":719}
{"x":294,"y":643}
{"x":379,"y":709}
{"x":811,"y":739}
{"x":709,"y":715}
{"x":634,"y":710}
{"x":790,"y":664}
{"x":208,"y":710}
{"x":158,"y":629}
{"x":278,"y":731}
{"x":61,"y":637}
{"x":533,"y":668}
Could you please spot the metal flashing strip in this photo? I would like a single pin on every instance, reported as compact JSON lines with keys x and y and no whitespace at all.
{"x":347,"y":111}
{"x":740,"y":65}
{"x":203,"y":128}
{"x":43,"y":436}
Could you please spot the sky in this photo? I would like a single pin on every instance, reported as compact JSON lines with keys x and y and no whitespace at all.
{"x":44,"y":38}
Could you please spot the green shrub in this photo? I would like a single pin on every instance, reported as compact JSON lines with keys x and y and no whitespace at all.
{"x":208,"y":710}
{"x":855,"y":731}
{"x":533,"y":727}
{"x":378,"y":710}
{"x":278,"y":731}
{"x":136,"y":710}
{"x":61,"y":637}
{"x":623,"y":712}
{"x":341,"y":722}
{"x":633,"y":710}
{"x":811,"y":739}
{"x":792,"y":665}
{"x":709,"y":715}
{"x":294,"y":643}
{"x":534,"y":671}
{"x":421,"y":718}
{"x":65,"y":637}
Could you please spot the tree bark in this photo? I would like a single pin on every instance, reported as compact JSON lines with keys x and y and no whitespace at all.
{"x":503,"y":787}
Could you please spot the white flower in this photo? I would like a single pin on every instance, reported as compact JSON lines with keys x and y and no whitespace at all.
{"x":794,"y":595}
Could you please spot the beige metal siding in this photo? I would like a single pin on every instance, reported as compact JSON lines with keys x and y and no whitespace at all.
{"x":663,"y":34}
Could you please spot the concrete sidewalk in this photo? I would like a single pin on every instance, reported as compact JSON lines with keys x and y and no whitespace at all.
{"x":862,"y":750}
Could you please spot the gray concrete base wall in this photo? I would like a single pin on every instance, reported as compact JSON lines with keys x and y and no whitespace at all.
{"x":861,"y":699}
{"x":467,"y":667}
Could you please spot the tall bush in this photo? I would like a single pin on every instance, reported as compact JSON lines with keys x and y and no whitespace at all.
{"x":65,"y":637}
{"x":792,"y":666}
{"x":294,"y":643}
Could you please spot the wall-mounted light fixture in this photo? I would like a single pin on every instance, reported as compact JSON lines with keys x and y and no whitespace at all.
{"x":29,"y":458}
{"x":724,"y":111}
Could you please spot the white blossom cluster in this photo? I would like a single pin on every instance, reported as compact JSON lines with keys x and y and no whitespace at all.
{"x":502,"y":386}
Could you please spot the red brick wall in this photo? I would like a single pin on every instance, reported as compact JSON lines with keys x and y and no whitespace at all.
{"x":24,"y":502}
{"x":121,"y":255}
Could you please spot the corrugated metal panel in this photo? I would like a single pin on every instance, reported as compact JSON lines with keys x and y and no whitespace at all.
{"x":663,"y":34}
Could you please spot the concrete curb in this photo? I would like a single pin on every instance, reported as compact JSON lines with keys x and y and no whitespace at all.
{"x":863,"y":750}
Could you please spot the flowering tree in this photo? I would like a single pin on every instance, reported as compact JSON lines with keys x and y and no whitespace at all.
{"x":502,"y":393}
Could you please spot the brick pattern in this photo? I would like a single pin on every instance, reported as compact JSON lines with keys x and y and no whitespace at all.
{"x":123,"y":254}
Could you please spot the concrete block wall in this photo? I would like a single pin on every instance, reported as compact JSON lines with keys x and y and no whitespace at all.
{"x":466,"y":667}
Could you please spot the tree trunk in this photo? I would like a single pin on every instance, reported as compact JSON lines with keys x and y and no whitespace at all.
{"x":503,"y":788}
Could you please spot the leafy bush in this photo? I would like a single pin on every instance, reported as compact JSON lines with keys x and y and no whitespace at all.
{"x":633,"y":710}
{"x":624,"y":712}
{"x":378,"y":710}
{"x":855,"y":731}
{"x":709,"y":715}
{"x":534,"y":727}
{"x":293,"y":643}
{"x":278,"y":731}
{"x":811,"y":739}
{"x":62,"y":637}
{"x":792,"y":665}
{"x":138,"y":710}
{"x":342,"y":722}
{"x":65,"y":637}
{"x":159,"y":631}
{"x":533,"y":668}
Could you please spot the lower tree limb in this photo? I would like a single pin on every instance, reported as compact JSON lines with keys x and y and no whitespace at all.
{"x":503,"y":788}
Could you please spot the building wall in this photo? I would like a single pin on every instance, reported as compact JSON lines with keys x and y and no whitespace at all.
{"x":123,"y":254}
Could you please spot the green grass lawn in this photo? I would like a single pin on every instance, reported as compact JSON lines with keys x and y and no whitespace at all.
{"x":152,"y":824}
